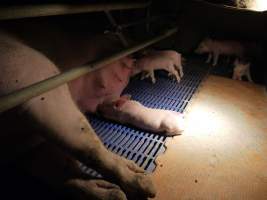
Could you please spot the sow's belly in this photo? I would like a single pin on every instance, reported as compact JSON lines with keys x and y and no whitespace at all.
{"x":102,"y":85}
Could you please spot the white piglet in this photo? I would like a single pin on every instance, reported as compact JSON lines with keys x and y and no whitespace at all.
{"x":215,"y":48}
{"x":134,"y":113}
{"x":155,"y":61}
{"x":241,"y":69}
{"x":176,"y":58}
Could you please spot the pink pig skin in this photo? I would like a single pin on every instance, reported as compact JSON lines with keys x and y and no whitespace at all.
{"x":175,"y":56}
{"x":132,"y":112}
{"x":155,"y":61}
{"x":215,"y":48}
{"x":102,"y":85}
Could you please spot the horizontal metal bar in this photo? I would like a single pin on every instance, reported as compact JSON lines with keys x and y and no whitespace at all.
{"x":17,"y":97}
{"x":143,"y":21}
{"x":17,"y":12}
{"x":151,"y":19}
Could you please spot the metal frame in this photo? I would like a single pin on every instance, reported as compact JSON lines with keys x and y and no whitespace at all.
{"x":20,"y":96}
{"x":143,"y":21}
{"x":17,"y":12}
{"x":118,"y":30}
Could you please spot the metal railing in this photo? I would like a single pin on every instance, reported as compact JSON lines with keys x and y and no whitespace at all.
{"x":25,"y":11}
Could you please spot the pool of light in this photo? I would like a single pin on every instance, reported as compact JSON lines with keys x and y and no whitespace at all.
{"x":258,"y":5}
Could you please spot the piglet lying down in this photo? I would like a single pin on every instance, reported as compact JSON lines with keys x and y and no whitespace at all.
{"x":131,"y":112}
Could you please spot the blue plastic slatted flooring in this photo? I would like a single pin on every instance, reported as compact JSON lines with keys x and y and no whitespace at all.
{"x":141,"y":146}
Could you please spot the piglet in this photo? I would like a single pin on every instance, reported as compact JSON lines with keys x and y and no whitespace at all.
{"x":175,"y":57}
{"x":159,"y":60}
{"x":215,"y":48}
{"x":241,"y":69}
{"x":131,"y":112}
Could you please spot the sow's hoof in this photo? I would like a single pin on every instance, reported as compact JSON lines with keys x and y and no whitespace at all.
{"x":95,"y":190}
{"x":132,"y":178}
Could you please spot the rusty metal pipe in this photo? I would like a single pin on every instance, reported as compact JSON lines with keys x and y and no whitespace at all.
{"x":17,"y":12}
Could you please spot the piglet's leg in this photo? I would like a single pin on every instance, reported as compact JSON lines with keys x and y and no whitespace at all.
{"x":234,"y":76}
{"x":215,"y":59}
{"x":180,"y":69}
{"x":209,"y":58}
{"x":152,"y":76}
{"x":249,"y":76}
{"x":143,"y":75}
{"x":174,"y":72}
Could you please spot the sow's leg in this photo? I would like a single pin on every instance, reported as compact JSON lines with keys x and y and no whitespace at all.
{"x":59,"y":120}
{"x":52,"y":165}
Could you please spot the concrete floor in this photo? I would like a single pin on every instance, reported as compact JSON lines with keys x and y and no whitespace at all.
{"x":222,"y":154}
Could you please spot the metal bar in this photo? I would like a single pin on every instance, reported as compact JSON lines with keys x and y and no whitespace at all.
{"x":117,"y":28}
{"x":17,"y":12}
{"x":20,"y":96}
{"x":150,"y":19}
{"x":111,"y":19}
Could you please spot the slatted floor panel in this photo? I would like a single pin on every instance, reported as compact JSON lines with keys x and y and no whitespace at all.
{"x":141,"y":146}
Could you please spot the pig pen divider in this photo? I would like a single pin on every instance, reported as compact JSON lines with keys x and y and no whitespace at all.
{"x":20,"y":96}
{"x":18,"y":12}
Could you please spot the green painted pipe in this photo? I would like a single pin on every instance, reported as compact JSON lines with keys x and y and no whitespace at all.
{"x":20,"y":96}
{"x":17,"y":12}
